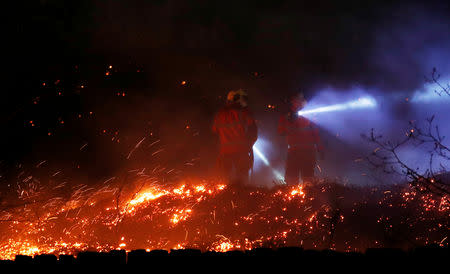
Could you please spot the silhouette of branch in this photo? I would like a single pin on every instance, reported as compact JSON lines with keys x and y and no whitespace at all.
{"x":444,"y":90}
{"x":386,"y":156}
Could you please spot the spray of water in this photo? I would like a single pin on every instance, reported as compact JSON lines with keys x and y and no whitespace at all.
{"x":266,"y":162}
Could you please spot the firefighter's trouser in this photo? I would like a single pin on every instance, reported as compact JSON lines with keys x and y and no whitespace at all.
{"x":235,"y":167}
{"x":300,"y":161}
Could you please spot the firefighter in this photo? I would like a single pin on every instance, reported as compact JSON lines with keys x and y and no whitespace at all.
{"x":303,"y":143}
{"x":237,"y":131}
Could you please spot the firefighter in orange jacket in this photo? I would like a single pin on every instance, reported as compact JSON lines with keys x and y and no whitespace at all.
{"x":237,"y":131}
{"x":303,"y":142}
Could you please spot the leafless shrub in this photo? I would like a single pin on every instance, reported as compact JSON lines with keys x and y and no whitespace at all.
{"x":386,"y":155}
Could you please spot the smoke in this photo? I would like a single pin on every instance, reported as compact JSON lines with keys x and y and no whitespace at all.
{"x":341,"y":127}
{"x":335,"y":53}
{"x":407,"y":45}
{"x":406,"y":49}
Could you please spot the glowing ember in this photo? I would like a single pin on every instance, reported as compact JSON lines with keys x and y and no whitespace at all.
{"x":146,"y":196}
{"x":210,"y":216}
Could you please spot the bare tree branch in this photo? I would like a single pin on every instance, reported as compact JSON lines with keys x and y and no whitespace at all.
{"x":386,"y":156}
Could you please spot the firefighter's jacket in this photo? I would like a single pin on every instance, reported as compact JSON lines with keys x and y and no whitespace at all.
{"x":300,"y":132}
{"x":236,"y":128}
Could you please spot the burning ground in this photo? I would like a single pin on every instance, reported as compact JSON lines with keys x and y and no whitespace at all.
{"x":139,"y":212}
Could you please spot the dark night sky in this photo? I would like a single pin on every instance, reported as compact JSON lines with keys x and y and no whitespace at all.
{"x":294,"y":43}
{"x":270,"y":48}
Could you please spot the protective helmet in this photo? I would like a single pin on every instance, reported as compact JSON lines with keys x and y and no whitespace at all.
{"x":231,"y":95}
{"x":238,"y":96}
{"x":234,"y":95}
{"x":298,"y":101}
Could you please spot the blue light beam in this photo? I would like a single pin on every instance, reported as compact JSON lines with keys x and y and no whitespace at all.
{"x":433,"y":92}
{"x":263,"y":158}
{"x":363,"y":102}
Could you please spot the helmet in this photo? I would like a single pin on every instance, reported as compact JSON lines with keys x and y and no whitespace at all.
{"x":238,"y":96}
{"x":231,"y":95}
{"x":298,"y":102}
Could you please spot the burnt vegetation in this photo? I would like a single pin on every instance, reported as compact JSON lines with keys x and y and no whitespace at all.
{"x":152,"y":206}
{"x":210,"y":218}
{"x":145,"y":212}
